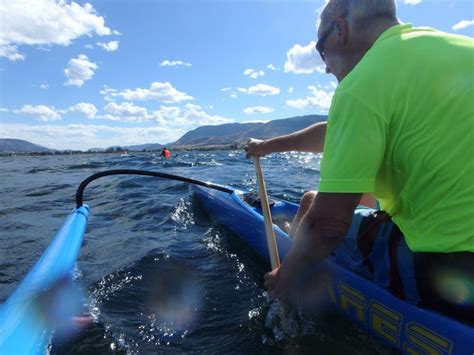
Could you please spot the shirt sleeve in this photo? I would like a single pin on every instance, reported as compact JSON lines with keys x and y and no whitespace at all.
{"x":354,"y":146}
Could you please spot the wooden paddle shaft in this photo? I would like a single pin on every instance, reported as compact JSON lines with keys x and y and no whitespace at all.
{"x":270,"y":233}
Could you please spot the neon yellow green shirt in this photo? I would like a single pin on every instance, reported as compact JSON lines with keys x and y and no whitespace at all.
{"x":401,"y":126}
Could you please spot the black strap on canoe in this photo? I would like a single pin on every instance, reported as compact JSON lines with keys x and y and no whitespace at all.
{"x":82,"y":186}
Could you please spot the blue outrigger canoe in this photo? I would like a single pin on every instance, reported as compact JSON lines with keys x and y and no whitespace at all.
{"x":399,"y":324}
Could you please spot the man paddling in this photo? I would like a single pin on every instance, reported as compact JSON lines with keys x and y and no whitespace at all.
{"x":400,"y":127}
{"x":165,"y":153}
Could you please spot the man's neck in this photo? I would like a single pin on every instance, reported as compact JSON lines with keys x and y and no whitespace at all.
{"x":365,"y":40}
{"x":372,"y":33}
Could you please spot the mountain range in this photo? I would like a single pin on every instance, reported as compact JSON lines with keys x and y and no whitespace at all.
{"x":8,"y":145}
{"x":205,"y":136}
{"x":240,"y":132}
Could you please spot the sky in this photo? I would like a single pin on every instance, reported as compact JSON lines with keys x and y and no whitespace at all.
{"x":100,"y":73}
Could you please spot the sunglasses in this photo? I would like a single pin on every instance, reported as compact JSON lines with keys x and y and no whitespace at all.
{"x":324,"y":37}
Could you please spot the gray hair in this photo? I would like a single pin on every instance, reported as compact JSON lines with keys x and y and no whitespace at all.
{"x":360,"y":12}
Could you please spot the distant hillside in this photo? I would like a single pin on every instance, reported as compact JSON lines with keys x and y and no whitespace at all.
{"x":8,"y":145}
{"x":238,"y":133}
{"x":220,"y":134}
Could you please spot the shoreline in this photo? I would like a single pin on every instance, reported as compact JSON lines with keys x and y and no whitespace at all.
{"x":230,"y":146}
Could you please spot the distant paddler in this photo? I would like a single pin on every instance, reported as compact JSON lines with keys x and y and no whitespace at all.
{"x":165,"y":153}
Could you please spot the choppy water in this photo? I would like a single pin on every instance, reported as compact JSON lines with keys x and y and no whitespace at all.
{"x":144,"y":235}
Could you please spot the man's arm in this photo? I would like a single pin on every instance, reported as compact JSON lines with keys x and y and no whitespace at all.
{"x":321,"y":230}
{"x":310,"y":139}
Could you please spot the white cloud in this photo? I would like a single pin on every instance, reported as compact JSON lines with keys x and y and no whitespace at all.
{"x":193,"y":107}
{"x":165,"y":114}
{"x":108,"y":93}
{"x":257,"y":109}
{"x":83,"y":137}
{"x":263,"y":90}
{"x":44,"y":86}
{"x":193,"y":116}
{"x":110,"y":46}
{"x":463,"y":24}
{"x":79,"y":70}
{"x":232,"y":93}
{"x":3,"y":109}
{"x":174,"y":63}
{"x":125,"y":112}
{"x":290,"y":90}
{"x":45,"y":22}
{"x":412,"y":2}
{"x":89,"y":110}
{"x":303,"y":60}
{"x":189,"y":117}
{"x":10,"y":51}
{"x":39,"y":112}
{"x":271,"y":67}
{"x":254,"y":74}
{"x":163,"y":92}
{"x":319,"y":99}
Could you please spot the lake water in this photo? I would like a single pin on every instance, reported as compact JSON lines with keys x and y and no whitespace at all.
{"x":143,"y":235}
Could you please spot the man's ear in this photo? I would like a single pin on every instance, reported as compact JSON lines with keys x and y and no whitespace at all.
{"x":342,"y":31}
